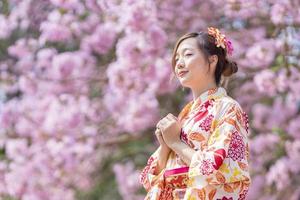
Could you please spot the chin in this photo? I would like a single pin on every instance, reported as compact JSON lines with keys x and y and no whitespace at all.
{"x":185,"y":84}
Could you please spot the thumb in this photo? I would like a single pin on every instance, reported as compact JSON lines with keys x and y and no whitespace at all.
{"x":176,"y":118}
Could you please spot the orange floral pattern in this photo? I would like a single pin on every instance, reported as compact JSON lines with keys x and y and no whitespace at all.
{"x":217,"y":128}
{"x":220,"y":39}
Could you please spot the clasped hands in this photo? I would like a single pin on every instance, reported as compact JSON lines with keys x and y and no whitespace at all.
{"x":168,"y":131}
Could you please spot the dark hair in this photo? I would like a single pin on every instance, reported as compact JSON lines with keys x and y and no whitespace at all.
{"x":206,"y":44}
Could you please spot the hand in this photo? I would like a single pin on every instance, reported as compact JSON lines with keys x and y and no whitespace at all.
{"x":170,"y":128}
{"x":163,"y":152}
{"x":164,"y":146}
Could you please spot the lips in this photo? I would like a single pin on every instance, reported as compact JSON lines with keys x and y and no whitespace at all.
{"x":181,"y":74}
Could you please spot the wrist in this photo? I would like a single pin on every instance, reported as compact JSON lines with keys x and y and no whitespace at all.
{"x":176,"y":146}
{"x":184,"y":151}
{"x":163,"y":158}
{"x":164,"y":150}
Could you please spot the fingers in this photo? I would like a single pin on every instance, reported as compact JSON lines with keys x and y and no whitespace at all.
{"x":166,"y":120}
{"x":159,"y":136}
{"x":171,"y":117}
{"x":158,"y":132}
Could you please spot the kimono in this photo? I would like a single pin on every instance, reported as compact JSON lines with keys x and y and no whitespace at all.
{"x":217,"y":128}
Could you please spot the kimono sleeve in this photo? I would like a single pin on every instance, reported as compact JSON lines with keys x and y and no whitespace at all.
{"x":147,"y":176}
{"x":227,"y":142}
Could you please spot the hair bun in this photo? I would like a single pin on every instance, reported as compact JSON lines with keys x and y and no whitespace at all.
{"x":229,"y":68}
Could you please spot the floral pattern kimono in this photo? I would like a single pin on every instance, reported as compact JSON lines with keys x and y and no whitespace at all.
{"x":216,"y":127}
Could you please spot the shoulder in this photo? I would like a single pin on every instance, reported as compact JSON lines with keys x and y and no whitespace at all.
{"x":228,"y":105}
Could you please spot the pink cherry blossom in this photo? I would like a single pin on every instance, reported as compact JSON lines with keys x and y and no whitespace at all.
{"x":77,"y":77}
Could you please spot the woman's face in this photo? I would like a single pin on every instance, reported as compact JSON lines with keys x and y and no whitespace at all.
{"x":191,"y":61}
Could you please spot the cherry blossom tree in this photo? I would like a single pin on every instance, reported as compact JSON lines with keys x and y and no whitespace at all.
{"x":83,"y":84}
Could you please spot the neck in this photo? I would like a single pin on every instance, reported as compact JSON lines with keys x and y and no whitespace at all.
{"x":200,"y":90}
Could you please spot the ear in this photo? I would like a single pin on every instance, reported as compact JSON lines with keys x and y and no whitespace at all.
{"x":213,"y":59}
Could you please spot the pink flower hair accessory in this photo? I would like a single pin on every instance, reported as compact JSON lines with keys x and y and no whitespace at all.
{"x":221,"y":40}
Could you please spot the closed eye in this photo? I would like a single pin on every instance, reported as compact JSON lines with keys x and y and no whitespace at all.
{"x":187,"y":55}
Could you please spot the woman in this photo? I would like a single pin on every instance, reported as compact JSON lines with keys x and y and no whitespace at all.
{"x":203,"y":154}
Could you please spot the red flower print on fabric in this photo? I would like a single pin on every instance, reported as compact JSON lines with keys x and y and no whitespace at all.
{"x":225,"y":198}
{"x":208,"y":103}
{"x":203,"y":110}
{"x":166,"y":193}
{"x":200,"y":115}
{"x":146,"y":170}
{"x":242,"y":196}
{"x":183,"y":136}
{"x":219,"y":156}
{"x":206,"y":167}
{"x":246,"y":120}
{"x":206,"y":124}
{"x":237,"y":147}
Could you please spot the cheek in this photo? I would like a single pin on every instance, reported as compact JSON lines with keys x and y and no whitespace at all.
{"x":197,"y":65}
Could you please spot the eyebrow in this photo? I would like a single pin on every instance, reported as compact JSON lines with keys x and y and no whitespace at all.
{"x":184,"y":49}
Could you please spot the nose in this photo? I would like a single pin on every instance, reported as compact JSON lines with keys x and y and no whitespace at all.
{"x":180,"y":64}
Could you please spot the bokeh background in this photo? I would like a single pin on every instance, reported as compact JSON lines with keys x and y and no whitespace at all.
{"x":83,"y":84}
